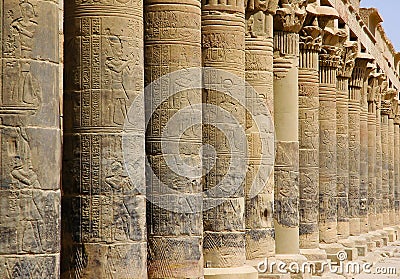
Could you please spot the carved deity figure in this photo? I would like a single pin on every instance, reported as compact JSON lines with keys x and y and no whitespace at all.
{"x":117,"y":64}
{"x":26,"y":90}
{"x":24,"y":181}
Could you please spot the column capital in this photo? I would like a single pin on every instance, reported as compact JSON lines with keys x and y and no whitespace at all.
{"x":311,"y":37}
{"x":388,"y":102}
{"x":397,"y":118}
{"x":290,"y":15}
{"x":331,"y":50}
{"x":360,"y":70}
{"x":348,"y":59}
{"x":265,"y":6}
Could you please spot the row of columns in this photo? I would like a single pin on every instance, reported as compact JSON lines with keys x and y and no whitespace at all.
{"x":337,"y":140}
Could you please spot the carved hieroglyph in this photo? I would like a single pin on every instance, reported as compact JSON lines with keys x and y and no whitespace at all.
{"x":104,"y":230}
{"x":310,"y":46}
{"x":30,"y":139}
{"x":345,"y":70}
{"x":328,"y":65}
{"x":223,"y":43}
{"x":260,"y":232}
{"x":172,"y":43}
{"x":288,"y":21}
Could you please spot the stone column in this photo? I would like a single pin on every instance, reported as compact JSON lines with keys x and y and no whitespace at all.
{"x":104,"y":231}
{"x":391,"y":149}
{"x":328,"y":65}
{"x":379,"y":156}
{"x":30,"y":139}
{"x":342,"y":117}
{"x":260,"y":240}
{"x":173,"y":43}
{"x":397,"y":165}
{"x":364,"y":149}
{"x":287,"y":23}
{"x":355,"y":87}
{"x":385,"y":111}
{"x":223,"y":38}
{"x":372,"y":170}
{"x":310,"y":46}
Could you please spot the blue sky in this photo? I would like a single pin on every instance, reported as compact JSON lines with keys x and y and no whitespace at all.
{"x":390,"y":11}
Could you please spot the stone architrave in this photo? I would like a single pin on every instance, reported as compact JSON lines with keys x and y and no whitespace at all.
{"x":329,"y":61}
{"x":288,"y":22}
{"x":104,"y":219}
{"x":30,"y":139}
{"x":397,"y":165}
{"x":345,"y":70}
{"x":364,"y":186}
{"x":355,"y":88}
{"x":173,"y":43}
{"x":223,"y":48}
{"x":310,"y":46}
{"x":260,"y":242}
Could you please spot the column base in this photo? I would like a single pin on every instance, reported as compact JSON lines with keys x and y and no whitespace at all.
{"x":355,"y":226}
{"x":385,"y":237}
{"x":371,"y":244}
{"x":315,"y":256}
{"x":243,"y":272}
{"x":332,"y":250}
{"x":361,"y":245}
{"x":377,"y":238}
{"x":350,"y":249}
{"x":391,"y":234}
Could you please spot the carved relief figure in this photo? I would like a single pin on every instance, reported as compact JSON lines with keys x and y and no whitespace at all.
{"x":25,"y":182}
{"x":25,"y":89}
{"x":117,"y":64}
{"x":119,"y":182}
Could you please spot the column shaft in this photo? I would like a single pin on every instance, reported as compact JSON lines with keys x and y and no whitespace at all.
{"x":172,"y":228}
{"x":260,"y":242}
{"x":372,"y":193}
{"x":385,"y":166}
{"x":364,"y":159}
{"x":287,"y":149}
{"x":30,"y":139}
{"x":328,"y":63}
{"x":397,"y":167}
{"x":342,"y":117}
{"x":309,"y":140}
{"x":355,"y":90}
{"x":391,"y":151}
{"x":342,"y":135}
{"x":379,"y":164}
{"x":104,"y":231}
{"x":223,"y":32}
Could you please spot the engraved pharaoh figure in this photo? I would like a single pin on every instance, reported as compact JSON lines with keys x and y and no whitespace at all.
{"x":117,"y":64}
{"x":27,"y":89}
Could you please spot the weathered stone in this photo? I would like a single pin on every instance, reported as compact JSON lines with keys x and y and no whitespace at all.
{"x":103,"y":204}
{"x":30,"y":139}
